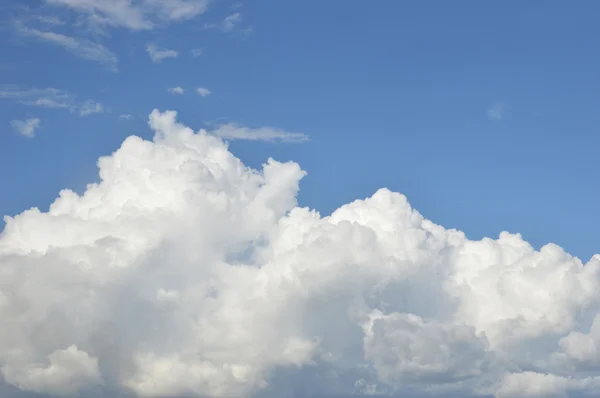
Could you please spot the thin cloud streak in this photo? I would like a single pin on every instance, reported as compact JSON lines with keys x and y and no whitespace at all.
{"x":82,"y":48}
{"x":51,"y":98}
{"x":233,"y":131}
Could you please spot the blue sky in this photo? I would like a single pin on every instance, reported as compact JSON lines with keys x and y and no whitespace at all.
{"x":484,"y":114}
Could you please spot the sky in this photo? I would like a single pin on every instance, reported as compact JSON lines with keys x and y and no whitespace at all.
{"x":216,"y":186}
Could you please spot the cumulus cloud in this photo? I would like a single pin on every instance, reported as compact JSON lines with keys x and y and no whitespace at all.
{"x":26,"y":127}
{"x":184,"y":273}
{"x":496,"y":111}
{"x":82,"y":48}
{"x":203,"y":92}
{"x":176,"y":90}
{"x":135,"y":15}
{"x":158,"y":54}
{"x":232,"y":131}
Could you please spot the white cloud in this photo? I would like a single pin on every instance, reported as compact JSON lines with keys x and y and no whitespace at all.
{"x":496,"y":111}
{"x":135,"y":15}
{"x":90,"y":107}
{"x":231,"y":21}
{"x":49,"y":98}
{"x":158,"y":54}
{"x":50,"y":20}
{"x":26,"y":127}
{"x":68,"y":371}
{"x":185,"y":273}
{"x":539,"y":385}
{"x":232,"y":131}
{"x":126,"y":116}
{"x":176,"y":90}
{"x":204,"y":92}
{"x":82,"y":48}
{"x":196,"y":52}
{"x":46,"y":97}
{"x":48,"y":103}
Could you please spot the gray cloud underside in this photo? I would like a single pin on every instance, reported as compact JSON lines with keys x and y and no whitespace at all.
{"x":183,"y":273}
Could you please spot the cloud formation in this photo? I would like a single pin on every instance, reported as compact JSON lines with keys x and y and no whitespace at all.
{"x":203,"y":92}
{"x":176,"y":90}
{"x":184,"y":273}
{"x":196,"y":52}
{"x":26,"y":127}
{"x":45,"y":97}
{"x":82,"y":48}
{"x":158,"y":54}
{"x":135,"y":15}
{"x":90,"y":107}
{"x":229,"y":23}
{"x":232,"y":131}
{"x":49,"y":98}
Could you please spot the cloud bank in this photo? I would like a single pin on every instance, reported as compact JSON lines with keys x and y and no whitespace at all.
{"x":184,"y":273}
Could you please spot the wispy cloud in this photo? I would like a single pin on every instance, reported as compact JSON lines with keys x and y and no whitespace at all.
{"x":196,"y":52}
{"x":496,"y":111}
{"x":176,"y":90}
{"x":50,"y":20}
{"x":233,"y":131}
{"x":49,"y":98}
{"x":158,"y":54}
{"x":204,"y":92}
{"x":90,"y":107}
{"x":229,"y":23}
{"x":45,"y":97}
{"x":135,"y":15}
{"x":82,"y":48}
{"x":126,"y":116}
{"x":47,"y":103}
{"x":26,"y":127}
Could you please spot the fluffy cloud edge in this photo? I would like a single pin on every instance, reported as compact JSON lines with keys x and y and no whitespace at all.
{"x":185,"y":273}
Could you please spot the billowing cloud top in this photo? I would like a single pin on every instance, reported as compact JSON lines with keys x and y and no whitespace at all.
{"x":183,"y":273}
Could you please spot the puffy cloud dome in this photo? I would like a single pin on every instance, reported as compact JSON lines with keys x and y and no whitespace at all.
{"x":184,"y":273}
